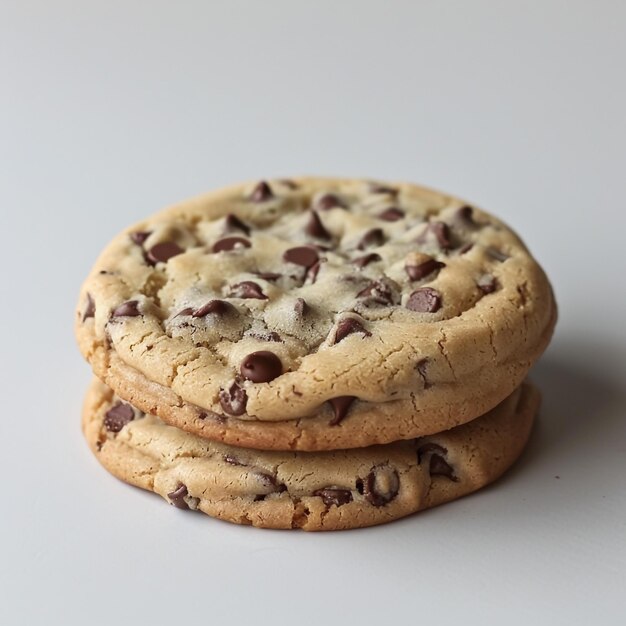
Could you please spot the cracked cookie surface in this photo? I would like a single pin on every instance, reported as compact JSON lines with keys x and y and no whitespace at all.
{"x":328,"y":490}
{"x":316,"y":313}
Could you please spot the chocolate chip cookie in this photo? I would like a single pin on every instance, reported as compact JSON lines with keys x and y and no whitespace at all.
{"x":315,"y":314}
{"x":328,"y":490}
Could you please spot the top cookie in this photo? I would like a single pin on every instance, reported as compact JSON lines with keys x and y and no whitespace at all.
{"x":319,"y":302}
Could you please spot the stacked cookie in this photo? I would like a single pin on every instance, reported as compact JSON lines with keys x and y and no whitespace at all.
{"x":313,"y":353}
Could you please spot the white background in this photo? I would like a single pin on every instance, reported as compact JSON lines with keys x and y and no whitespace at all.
{"x":111,"y":110}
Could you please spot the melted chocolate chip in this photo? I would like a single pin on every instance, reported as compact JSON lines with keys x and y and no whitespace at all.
{"x":269,"y":276}
{"x":163,"y":252}
{"x":366,"y":259}
{"x":381,"y":485}
{"x":186,"y":311}
{"x":261,"y":193}
{"x":373,"y":237}
{"x":302,"y":255}
{"x":300,"y":307}
{"x":177,"y":497}
{"x":230,"y":243}
{"x":441,"y":231}
{"x":118,"y":416}
{"x":417,"y":272}
{"x":140,"y":236}
{"x":466,"y":247}
{"x":315,"y":228}
{"x":392,"y":214}
{"x":233,"y":223}
{"x":127,"y":309}
{"x":487,"y":284}
{"x":247,"y":289}
{"x":217,"y":307}
{"x":261,"y":367}
{"x":424,"y":300}
{"x":497,"y":254}
{"x":233,"y":400}
{"x":312,"y":272}
{"x":334,"y":495}
{"x":329,"y":201}
{"x":377,"y":292}
{"x":348,"y":326}
{"x":341,"y":406}
{"x":90,"y":309}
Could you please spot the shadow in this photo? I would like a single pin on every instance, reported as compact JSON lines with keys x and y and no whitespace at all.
{"x":583,"y":407}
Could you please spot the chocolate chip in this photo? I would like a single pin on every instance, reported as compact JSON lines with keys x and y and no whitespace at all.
{"x":231,"y":460}
{"x":233,"y":400}
{"x":421,"y":368}
{"x":127,"y":309}
{"x":441,"y":231}
{"x":300,"y":307}
{"x":348,"y":326}
{"x":218,"y":307}
{"x":261,"y":367}
{"x":266,"y":335}
{"x":497,"y":254}
{"x":466,"y":215}
{"x":429,"y":447}
{"x":424,"y":300}
{"x":373,"y":237}
{"x":163,"y":252}
{"x":487,"y":284}
{"x":261,"y":193}
{"x":139,"y":236}
{"x":290,"y":184}
{"x":382,"y":189}
{"x":90,"y":309}
{"x":366,"y":259}
{"x":417,"y":272}
{"x":233,"y":223}
{"x":269,"y":276}
{"x":466,"y":247}
{"x":378,"y":292}
{"x":202,"y":415}
{"x":269,"y":480}
{"x":302,"y":255}
{"x":312,"y":272}
{"x":438,"y":466}
{"x":334,"y":495}
{"x":381,"y":485}
{"x":247,"y":289}
{"x":329,"y":201}
{"x":392,"y":214}
{"x":177,"y":497}
{"x":341,"y":406}
{"x":118,"y":416}
{"x":230,"y":243}
{"x":315,"y":228}
{"x":186,"y":311}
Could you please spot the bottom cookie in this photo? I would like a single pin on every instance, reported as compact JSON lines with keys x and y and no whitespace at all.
{"x":329,"y":490}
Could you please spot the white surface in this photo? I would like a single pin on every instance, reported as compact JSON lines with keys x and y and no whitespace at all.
{"x":111,"y":110}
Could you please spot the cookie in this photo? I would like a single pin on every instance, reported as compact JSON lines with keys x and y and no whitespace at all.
{"x":327,"y":490}
{"x":316,"y":314}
